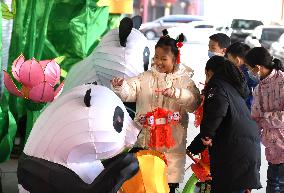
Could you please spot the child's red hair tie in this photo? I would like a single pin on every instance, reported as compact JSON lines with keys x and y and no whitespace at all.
{"x":179,"y":45}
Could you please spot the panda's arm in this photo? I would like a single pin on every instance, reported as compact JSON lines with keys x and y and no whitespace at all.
{"x":129,"y":89}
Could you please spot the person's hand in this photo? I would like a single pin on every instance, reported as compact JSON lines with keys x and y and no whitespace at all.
{"x":207,"y":141}
{"x":117,"y":82}
{"x":168,"y":92}
{"x":189,"y":153}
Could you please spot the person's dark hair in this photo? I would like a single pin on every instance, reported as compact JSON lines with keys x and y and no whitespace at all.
{"x":167,"y":41}
{"x":224,"y":69}
{"x":223,"y":40}
{"x":238,"y":49}
{"x":260,"y":56}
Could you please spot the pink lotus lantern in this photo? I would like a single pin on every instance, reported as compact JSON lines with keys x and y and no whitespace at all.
{"x":37,"y":78}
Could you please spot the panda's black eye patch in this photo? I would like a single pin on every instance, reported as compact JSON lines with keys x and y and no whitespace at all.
{"x":87,"y":98}
{"x":118,"y":118}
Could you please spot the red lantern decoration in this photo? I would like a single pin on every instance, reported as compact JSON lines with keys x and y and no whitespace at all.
{"x":159,"y":122}
{"x":199,"y":114}
{"x":201,"y":166}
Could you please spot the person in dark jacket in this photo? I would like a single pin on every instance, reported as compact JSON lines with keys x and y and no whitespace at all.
{"x":228,"y":130}
{"x":236,"y":53}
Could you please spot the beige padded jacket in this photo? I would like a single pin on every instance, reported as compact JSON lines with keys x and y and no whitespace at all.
{"x":141,"y":89}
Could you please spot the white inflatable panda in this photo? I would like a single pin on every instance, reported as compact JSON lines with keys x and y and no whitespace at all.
{"x":122,"y":52}
{"x":77,"y":145}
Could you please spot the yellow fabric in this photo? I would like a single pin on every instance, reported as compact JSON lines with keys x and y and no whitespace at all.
{"x":151,"y":177}
{"x":141,"y":89}
{"x":118,"y":6}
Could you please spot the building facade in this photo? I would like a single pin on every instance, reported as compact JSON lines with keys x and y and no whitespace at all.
{"x":153,"y":9}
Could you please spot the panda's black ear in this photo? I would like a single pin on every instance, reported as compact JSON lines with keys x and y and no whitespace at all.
{"x":137,"y":21}
{"x":125,"y":28}
{"x":87,"y":98}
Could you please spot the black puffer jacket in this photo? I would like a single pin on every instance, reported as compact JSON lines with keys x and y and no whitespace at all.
{"x":235,"y":154}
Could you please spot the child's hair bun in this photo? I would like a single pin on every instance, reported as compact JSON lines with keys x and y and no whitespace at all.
{"x":180,"y":38}
{"x":165,"y":32}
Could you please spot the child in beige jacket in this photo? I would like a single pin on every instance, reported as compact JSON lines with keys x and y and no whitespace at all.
{"x":167,"y":85}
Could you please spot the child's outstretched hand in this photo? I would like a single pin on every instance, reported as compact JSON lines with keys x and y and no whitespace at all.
{"x":168,"y":92}
{"x":117,"y":82}
{"x":207,"y":141}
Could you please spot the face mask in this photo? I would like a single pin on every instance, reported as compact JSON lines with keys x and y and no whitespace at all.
{"x":255,"y":78}
{"x":210,"y":54}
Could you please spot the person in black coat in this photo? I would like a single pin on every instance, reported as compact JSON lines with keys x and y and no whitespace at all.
{"x":228,"y":130}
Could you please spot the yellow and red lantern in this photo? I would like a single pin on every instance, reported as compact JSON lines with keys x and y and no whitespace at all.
{"x":151,"y":163}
